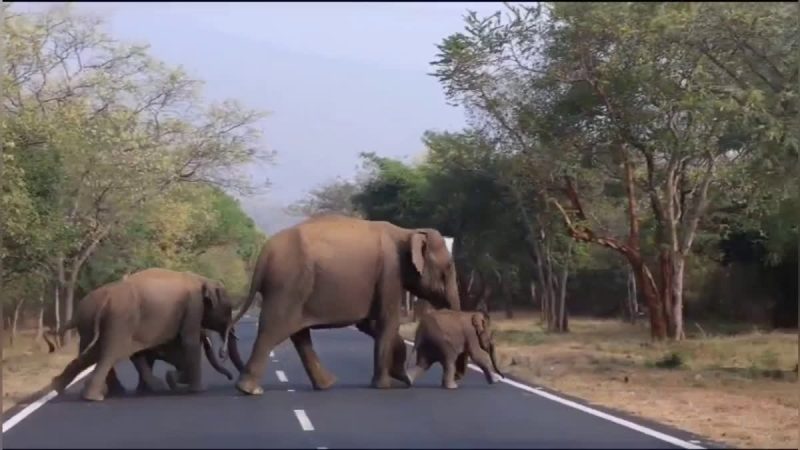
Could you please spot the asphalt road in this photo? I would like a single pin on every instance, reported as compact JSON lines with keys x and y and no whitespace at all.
{"x":349,"y":415}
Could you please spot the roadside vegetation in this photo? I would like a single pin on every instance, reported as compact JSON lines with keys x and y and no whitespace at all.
{"x":623,"y":199}
{"x":629,"y":173}
{"x":112,"y":162}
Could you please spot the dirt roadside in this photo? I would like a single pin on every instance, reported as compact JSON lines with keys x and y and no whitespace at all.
{"x":738,"y":389}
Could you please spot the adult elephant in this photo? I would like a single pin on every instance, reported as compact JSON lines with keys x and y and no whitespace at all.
{"x":147,"y":310}
{"x":333,"y":271}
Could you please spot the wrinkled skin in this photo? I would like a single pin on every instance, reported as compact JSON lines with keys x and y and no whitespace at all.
{"x":444,"y":336}
{"x":146,"y":310}
{"x":334,"y":271}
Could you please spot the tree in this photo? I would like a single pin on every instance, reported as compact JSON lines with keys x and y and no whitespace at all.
{"x":335,"y":197}
{"x":607,"y":95}
{"x":122,"y":128}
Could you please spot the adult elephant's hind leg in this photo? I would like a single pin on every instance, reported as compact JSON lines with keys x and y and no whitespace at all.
{"x":321,"y":379}
{"x":114,"y":344}
{"x":274,"y":327}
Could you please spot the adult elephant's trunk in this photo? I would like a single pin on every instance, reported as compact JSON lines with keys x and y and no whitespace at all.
{"x":452,"y":290}
{"x":493,"y":357}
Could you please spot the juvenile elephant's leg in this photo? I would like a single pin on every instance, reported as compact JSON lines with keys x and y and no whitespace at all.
{"x":274,"y":326}
{"x":144,"y":367}
{"x":321,"y":379}
{"x":60,"y":382}
{"x":76,"y":366}
{"x":448,"y":375}
{"x":113,"y":385}
{"x":481,"y":358}
{"x":461,"y":366}
{"x":423,"y":364}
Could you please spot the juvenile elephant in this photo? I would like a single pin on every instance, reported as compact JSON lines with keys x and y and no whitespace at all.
{"x":333,"y":271}
{"x":147,"y":310}
{"x":444,"y":336}
{"x":171,"y":353}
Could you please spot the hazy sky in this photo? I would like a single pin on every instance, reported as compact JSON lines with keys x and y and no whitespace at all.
{"x":337,"y":78}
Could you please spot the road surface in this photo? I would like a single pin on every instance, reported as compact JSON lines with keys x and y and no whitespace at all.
{"x":349,"y":415}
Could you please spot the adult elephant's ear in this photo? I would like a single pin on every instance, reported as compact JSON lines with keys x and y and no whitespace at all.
{"x":418,"y":242}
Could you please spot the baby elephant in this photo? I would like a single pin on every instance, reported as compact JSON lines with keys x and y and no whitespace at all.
{"x":443,"y":335}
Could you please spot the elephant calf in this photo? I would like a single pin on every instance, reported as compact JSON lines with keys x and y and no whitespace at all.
{"x":445,"y":336}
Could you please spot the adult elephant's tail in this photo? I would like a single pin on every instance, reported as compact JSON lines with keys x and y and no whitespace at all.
{"x":255,"y":284}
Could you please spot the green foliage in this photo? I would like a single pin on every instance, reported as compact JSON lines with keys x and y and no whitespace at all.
{"x":113,"y":160}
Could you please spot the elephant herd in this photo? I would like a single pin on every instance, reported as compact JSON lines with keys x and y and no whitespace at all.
{"x":329,"y":271}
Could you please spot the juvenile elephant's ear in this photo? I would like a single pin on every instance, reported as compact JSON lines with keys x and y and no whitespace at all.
{"x":479,"y":321}
{"x":418,"y":242}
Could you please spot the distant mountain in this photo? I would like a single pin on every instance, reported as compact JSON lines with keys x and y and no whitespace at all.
{"x":268,"y":214}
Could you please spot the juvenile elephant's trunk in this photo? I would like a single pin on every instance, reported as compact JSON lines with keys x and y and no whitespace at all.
{"x":452,"y":290}
{"x":212,"y":358}
{"x":255,"y":284}
{"x":493,"y":357}
{"x":233,"y":350}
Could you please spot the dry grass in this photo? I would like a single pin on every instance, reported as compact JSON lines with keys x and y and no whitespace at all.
{"x":27,"y":367}
{"x":740,"y":389}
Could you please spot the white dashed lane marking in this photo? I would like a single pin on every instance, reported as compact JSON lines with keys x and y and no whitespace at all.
{"x":281,"y":376}
{"x":305,"y":423}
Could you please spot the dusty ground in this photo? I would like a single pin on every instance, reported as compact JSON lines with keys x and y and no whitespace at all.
{"x":27,"y":367}
{"x":739,"y":389}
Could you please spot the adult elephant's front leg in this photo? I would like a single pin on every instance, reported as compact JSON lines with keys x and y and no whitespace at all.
{"x":399,"y":351}
{"x":321,"y":379}
{"x":387,"y":328}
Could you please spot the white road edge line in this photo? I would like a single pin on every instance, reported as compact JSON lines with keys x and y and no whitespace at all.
{"x":272,"y":354}
{"x":625,"y":423}
{"x":28,"y":410}
{"x":281,"y":376}
{"x":303,"y":419}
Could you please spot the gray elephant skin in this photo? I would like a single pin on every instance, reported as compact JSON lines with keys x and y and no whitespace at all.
{"x":444,"y":336}
{"x":155,"y":312}
{"x":334,"y":271}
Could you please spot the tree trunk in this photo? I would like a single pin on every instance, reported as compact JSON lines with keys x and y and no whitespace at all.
{"x":509,"y":307}
{"x":632,"y":302}
{"x":562,"y":302}
{"x":40,"y":320}
{"x":15,"y":321}
{"x":677,"y":331}
{"x":57,"y":311}
{"x":69,"y":298}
